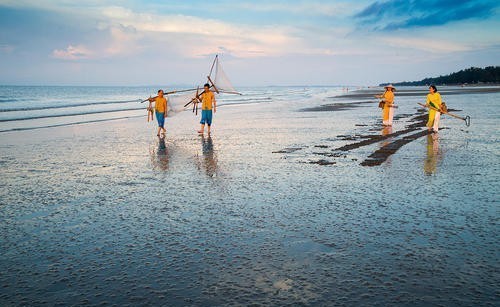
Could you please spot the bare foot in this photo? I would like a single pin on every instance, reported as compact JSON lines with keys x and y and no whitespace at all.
{"x":200,"y":132}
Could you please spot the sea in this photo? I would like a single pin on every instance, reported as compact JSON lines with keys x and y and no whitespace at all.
{"x":34,"y":107}
{"x":299,"y":197}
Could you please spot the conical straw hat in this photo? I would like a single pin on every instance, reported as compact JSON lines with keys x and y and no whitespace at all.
{"x":390,"y":86}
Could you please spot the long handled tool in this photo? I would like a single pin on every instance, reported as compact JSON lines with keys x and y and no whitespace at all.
{"x":466,"y":118}
{"x":195,"y":100}
{"x":195,"y":103}
{"x":169,"y":93}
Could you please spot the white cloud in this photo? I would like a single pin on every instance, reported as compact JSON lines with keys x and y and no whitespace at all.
{"x":72,"y":53}
{"x":123,"y":41}
{"x":202,"y":36}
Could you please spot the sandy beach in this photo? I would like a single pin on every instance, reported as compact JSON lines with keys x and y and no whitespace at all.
{"x":299,"y":197}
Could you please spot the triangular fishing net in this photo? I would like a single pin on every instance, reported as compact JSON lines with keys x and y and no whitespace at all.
{"x":220,"y":78}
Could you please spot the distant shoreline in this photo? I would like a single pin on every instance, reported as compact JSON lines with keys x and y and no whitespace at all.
{"x":472,"y":76}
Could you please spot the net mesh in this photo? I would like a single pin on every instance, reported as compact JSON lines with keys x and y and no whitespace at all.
{"x":221,"y":80}
{"x":176,"y":102}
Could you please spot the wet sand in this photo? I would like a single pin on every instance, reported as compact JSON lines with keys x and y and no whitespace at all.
{"x":338,"y":106}
{"x":268,"y":211}
{"x":419,"y":92}
{"x":415,"y":122}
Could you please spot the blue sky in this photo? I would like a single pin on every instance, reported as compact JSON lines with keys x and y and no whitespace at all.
{"x":52,"y":42}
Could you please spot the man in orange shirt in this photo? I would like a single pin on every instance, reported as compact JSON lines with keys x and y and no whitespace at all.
{"x":160,"y":111}
{"x":207,"y":104}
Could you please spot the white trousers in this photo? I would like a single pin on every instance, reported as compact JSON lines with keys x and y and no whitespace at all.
{"x":435,"y":127}
{"x":391,"y":115}
{"x":388,"y":122}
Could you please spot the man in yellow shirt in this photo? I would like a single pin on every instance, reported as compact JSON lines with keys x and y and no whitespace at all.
{"x":160,"y":111}
{"x":207,"y":104}
{"x":434,"y":101}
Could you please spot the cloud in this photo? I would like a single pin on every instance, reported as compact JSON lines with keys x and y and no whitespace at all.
{"x":193,"y":36}
{"x":72,"y":53}
{"x":401,"y":14}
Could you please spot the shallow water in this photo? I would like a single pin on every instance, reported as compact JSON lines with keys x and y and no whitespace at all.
{"x":106,"y":213}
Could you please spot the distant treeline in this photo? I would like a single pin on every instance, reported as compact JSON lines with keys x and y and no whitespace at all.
{"x":473,"y":75}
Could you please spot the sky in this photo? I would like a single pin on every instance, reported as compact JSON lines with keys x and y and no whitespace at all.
{"x":260,"y":43}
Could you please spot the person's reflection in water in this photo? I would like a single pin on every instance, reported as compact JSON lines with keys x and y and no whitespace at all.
{"x":159,"y":155}
{"x":209,"y":159}
{"x":433,"y":155}
{"x":385,"y":132}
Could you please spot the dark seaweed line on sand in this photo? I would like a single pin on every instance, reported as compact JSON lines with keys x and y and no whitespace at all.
{"x":377,"y":138}
{"x":382,"y":154}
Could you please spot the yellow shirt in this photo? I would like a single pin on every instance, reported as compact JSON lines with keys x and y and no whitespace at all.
{"x":388,"y":97}
{"x":435,"y":99}
{"x":160,"y":104}
{"x":206,"y":101}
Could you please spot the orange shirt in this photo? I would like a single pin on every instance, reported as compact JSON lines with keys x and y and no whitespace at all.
{"x":160,"y":104}
{"x":206,"y":100}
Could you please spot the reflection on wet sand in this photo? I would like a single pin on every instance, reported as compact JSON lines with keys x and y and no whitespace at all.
{"x":209,"y":158}
{"x":159,"y":155}
{"x":433,"y":155}
{"x":386,"y":132}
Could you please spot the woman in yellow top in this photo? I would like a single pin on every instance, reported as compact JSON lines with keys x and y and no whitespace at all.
{"x":388,"y":110}
{"x":434,"y":101}
{"x":160,"y":111}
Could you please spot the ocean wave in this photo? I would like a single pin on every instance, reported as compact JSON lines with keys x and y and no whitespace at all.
{"x":6,"y":99}
{"x":243,"y":100}
{"x":38,"y":108}
{"x":69,"y":124}
{"x":69,"y":114}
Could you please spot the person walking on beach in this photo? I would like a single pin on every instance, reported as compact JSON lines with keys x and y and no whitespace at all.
{"x":433,"y":102}
{"x":388,"y":105}
{"x":160,"y":108}
{"x":207,"y":104}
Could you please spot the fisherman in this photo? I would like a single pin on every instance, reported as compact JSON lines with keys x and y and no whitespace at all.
{"x":387,"y":105}
{"x":207,"y":104}
{"x":160,"y":108}
{"x":433,"y":102}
